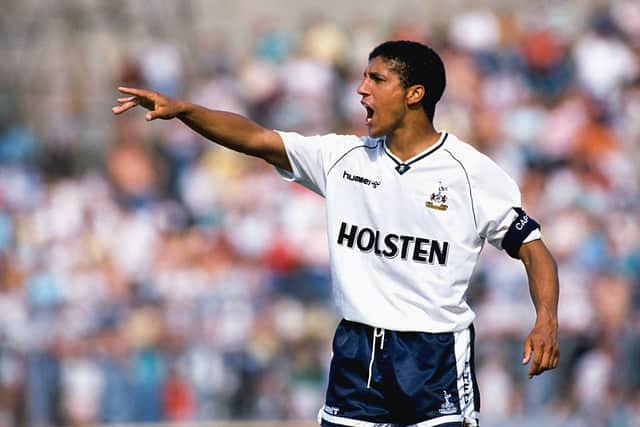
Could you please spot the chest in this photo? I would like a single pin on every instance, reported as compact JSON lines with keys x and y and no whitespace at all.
{"x":433,"y":192}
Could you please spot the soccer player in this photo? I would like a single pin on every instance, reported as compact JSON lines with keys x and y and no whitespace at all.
{"x":409,"y":209}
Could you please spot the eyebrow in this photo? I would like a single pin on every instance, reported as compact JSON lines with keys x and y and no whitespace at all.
{"x":373,"y":75}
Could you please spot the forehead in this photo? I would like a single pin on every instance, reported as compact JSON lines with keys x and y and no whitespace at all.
{"x":381,"y":66}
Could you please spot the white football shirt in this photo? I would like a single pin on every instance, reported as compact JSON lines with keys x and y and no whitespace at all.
{"x":404,"y":237}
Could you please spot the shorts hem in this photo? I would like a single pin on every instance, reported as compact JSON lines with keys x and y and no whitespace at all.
{"x":351,"y":422}
{"x":447,"y":419}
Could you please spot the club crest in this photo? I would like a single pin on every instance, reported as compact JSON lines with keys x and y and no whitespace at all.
{"x":438,"y":200}
{"x":447,"y":407}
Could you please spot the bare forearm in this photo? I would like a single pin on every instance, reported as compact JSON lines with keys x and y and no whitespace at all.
{"x":227,"y":129}
{"x":542,"y":273}
{"x":541,"y":345}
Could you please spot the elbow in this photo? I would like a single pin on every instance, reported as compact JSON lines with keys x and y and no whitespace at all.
{"x":258,"y":144}
{"x":268,"y":145}
{"x":537,"y":252}
{"x":252,"y":147}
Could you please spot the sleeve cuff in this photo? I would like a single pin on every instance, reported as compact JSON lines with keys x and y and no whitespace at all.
{"x":534,"y":235}
{"x":288,"y":176}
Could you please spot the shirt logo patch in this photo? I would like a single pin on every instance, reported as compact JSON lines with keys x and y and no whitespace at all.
{"x":438,"y":199}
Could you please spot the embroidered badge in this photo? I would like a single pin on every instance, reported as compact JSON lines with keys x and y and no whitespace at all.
{"x":447,"y":407}
{"x":331,"y":410}
{"x":438,"y":199}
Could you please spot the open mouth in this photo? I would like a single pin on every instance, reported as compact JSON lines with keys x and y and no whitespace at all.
{"x":370,"y":113}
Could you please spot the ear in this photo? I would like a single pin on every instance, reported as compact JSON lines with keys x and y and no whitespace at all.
{"x":415,"y":94}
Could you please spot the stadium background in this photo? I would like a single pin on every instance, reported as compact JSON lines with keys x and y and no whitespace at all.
{"x":148,"y":276}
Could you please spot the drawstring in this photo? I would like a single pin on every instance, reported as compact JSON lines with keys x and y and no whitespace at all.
{"x":377,"y":333}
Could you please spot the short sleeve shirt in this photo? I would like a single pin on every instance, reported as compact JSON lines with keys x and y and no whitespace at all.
{"x":404,"y":237}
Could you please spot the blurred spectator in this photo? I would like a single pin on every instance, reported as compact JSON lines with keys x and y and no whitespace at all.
{"x":173,"y":280}
{"x":161,"y":67}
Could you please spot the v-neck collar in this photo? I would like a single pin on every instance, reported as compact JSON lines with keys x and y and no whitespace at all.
{"x":402,"y":167}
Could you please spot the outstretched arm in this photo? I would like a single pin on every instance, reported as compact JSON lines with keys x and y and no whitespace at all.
{"x":228,"y":129}
{"x":541,"y":346}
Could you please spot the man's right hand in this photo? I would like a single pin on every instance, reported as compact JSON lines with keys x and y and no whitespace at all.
{"x":230,"y":130}
{"x":159,"y":106}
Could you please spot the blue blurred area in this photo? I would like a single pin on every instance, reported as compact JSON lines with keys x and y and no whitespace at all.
{"x":161,"y":278}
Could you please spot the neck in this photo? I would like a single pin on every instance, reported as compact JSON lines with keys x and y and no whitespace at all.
{"x":410,"y":141}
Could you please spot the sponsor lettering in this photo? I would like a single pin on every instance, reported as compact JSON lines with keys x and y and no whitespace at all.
{"x":418,"y":249}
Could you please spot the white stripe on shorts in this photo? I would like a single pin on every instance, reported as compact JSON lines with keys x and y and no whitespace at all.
{"x":438,"y":421}
{"x":349,"y":421}
{"x":465,"y":379}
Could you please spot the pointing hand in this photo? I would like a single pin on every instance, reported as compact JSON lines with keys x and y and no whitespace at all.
{"x":159,"y":106}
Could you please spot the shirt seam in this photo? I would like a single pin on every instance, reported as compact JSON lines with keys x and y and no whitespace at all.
{"x":473,"y":208}
{"x":349,"y":151}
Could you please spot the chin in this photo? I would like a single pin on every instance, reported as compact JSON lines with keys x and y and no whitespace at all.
{"x":376,"y":133}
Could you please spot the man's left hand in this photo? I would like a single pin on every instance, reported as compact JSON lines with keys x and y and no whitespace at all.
{"x":541,"y":347}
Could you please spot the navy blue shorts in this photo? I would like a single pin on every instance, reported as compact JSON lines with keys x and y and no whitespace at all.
{"x":381,"y":378}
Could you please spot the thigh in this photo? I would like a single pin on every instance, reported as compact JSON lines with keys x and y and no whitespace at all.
{"x":433,"y":378}
{"x":350,"y":399}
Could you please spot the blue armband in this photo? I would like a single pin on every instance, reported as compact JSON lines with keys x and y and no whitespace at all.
{"x":520,"y":228}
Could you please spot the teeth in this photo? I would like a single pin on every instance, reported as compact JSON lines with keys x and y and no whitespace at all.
{"x":370,"y":113}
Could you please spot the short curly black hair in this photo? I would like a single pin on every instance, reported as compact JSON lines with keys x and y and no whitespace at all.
{"x":415,"y":63}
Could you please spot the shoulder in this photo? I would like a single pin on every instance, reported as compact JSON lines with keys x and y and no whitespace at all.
{"x":479,"y":167}
{"x":353,"y":141}
{"x":349,"y":142}
{"x":330,"y":138}
{"x":466,"y":153}
{"x":477,"y":164}
{"x":332,"y":142}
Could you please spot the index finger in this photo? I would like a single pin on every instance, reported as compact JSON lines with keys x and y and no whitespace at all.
{"x":133,"y":91}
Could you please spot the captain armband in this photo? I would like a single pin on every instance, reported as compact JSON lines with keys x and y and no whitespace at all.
{"x":519,"y":230}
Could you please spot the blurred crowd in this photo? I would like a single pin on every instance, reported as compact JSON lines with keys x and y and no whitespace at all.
{"x":173,"y":280}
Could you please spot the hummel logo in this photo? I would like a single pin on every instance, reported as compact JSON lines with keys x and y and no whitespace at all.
{"x":366,"y":181}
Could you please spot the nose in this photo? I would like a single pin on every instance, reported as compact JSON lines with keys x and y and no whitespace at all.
{"x":363,"y":89}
